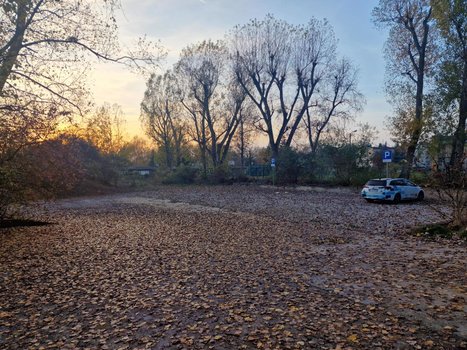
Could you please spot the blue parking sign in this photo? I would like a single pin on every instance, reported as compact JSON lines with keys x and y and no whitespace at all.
{"x":387,"y":156}
{"x":273,"y":162}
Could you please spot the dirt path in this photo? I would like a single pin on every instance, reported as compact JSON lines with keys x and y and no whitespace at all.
{"x":231,"y":268}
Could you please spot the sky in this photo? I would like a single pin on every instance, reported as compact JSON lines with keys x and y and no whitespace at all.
{"x":178,"y":23}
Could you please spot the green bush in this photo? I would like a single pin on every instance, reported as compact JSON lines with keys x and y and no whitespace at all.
{"x":420,"y":177}
{"x":360,"y":176}
{"x":289,"y":166}
{"x":183,"y":175}
{"x":441,"y":230}
{"x":220,"y":175}
{"x":438,"y":230}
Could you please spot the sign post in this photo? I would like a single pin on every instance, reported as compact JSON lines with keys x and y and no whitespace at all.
{"x":387,"y":158}
{"x":273,"y":166}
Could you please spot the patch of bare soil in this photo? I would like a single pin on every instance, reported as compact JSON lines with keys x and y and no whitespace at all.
{"x":231,"y":268}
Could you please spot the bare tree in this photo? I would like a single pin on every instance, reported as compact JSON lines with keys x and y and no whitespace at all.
{"x":197,"y":127}
{"x":279,"y":66}
{"x":409,"y":49}
{"x":34,"y":33}
{"x":105,"y":129}
{"x":245,"y":133}
{"x":338,"y":98}
{"x":161,"y":116}
{"x":137,"y":151}
{"x":212,"y":98}
{"x":45,"y":47}
{"x":450,"y":183}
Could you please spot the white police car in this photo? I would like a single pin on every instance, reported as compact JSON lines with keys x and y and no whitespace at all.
{"x":394,"y":190}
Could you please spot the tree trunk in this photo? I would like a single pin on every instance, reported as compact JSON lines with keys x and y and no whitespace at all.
{"x":203,"y":148}
{"x":11,"y":55}
{"x":458,"y":141}
{"x":242,"y":143}
{"x":274,"y":150}
{"x":177,"y":140}
{"x":168,"y":154}
{"x":416,"y":132}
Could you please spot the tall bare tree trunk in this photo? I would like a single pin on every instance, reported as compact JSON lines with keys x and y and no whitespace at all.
{"x":9,"y":58}
{"x":420,"y":69}
{"x":242,"y":143}
{"x":203,"y":148}
{"x":458,"y":142}
{"x":417,"y":130}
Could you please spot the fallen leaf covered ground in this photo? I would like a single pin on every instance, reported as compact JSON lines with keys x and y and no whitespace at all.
{"x":231,"y":267}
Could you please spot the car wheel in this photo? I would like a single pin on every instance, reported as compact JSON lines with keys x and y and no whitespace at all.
{"x":397,"y":198}
{"x":420,"y":196}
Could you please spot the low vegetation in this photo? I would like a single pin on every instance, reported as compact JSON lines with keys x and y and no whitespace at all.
{"x":444,"y":231}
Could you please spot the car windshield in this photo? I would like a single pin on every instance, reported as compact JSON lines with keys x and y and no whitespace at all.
{"x":376,"y":183}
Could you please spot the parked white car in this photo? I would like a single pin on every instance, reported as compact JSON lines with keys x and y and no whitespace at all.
{"x":394,"y":190}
